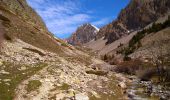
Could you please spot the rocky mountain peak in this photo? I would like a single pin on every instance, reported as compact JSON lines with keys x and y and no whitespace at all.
{"x":135,"y":16}
{"x":83,"y":34}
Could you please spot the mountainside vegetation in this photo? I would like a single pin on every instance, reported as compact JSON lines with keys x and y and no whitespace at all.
{"x":135,"y":16}
{"x":135,"y":43}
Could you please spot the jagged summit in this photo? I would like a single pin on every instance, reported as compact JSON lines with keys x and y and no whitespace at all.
{"x":88,"y":24}
{"x":83,"y":34}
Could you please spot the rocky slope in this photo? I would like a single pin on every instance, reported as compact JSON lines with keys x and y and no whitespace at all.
{"x":83,"y":34}
{"x":20,"y":21}
{"x":135,"y":16}
{"x":35,"y":65}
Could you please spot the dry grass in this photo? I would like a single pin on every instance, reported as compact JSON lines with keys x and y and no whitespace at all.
{"x":100,"y":73}
{"x":29,"y":33}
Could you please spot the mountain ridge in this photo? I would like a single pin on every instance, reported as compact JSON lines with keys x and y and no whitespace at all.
{"x":135,"y":16}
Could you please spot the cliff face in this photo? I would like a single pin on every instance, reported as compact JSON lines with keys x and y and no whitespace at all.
{"x":136,"y":15}
{"x":83,"y":34}
{"x":19,"y":21}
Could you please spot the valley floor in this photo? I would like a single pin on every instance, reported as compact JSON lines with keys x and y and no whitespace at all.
{"x":34,"y":74}
{"x":29,"y":73}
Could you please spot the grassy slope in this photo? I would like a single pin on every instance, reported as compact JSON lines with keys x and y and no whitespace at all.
{"x":15,"y":76}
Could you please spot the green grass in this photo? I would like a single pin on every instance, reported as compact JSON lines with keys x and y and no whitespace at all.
{"x":64,"y":44}
{"x":7,"y":91}
{"x":33,"y":85}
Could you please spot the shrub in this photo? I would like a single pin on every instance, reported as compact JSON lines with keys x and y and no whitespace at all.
{"x":33,"y":85}
{"x":152,"y":74}
{"x":7,"y":37}
{"x":64,"y":44}
{"x":146,"y":75}
{"x":132,"y":66}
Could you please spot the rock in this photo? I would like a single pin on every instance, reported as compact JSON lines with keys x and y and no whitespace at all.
{"x":81,"y":97}
{"x":60,"y":96}
{"x":7,"y":80}
{"x":163,"y":97}
{"x":23,"y":68}
{"x":1,"y":63}
{"x":4,"y":72}
{"x":47,"y":80}
{"x":95,"y":94}
{"x":122,"y":85}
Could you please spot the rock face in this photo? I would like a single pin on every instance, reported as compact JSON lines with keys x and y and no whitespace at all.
{"x":83,"y":34}
{"x":18,"y":20}
{"x":136,"y":15}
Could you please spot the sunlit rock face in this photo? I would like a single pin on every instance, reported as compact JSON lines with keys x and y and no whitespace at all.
{"x":136,"y":15}
{"x":83,"y":34}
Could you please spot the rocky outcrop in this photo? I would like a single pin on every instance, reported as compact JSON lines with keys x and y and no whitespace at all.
{"x":136,"y":15}
{"x":83,"y":34}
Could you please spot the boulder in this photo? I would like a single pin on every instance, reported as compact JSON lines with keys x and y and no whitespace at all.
{"x":122,"y":85}
{"x":81,"y":97}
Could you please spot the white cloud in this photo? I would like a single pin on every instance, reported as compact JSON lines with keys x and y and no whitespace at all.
{"x":60,"y":18}
{"x":67,"y":24}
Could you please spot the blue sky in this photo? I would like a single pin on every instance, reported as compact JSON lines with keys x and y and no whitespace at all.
{"x":62,"y":17}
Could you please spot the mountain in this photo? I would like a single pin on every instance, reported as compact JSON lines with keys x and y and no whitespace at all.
{"x":22,"y":22}
{"x":135,"y":16}
{"x":83,"y":34}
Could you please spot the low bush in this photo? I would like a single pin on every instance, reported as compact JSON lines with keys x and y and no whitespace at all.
{"x":7,"y":37}
{"x":33,"y":85}
{"x":153,"y":74}
{"x":147,"y":74}
{"x":132,"y":66}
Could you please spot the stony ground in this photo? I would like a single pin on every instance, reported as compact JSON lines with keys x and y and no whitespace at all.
{"x":76,"y":77}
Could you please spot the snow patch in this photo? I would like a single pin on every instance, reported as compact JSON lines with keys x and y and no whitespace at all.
{"x":95,"y":27}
